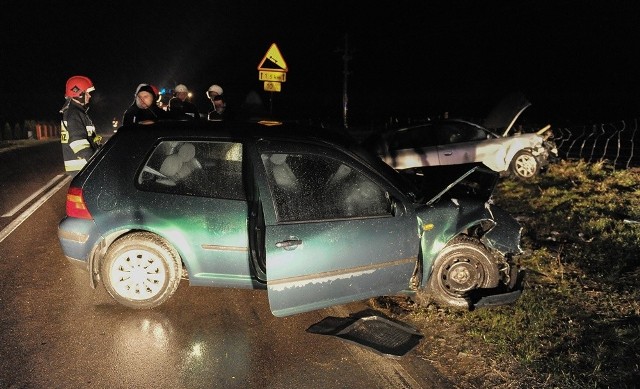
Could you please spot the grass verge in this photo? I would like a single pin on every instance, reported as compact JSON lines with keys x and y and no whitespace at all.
{"x":577,"y":323}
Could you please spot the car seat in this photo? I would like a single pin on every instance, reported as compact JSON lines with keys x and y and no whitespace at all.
{"x":282,"y":174}
{"x":178,"y":166}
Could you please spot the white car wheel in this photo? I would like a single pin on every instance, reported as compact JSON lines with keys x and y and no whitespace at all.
{"x":525,"y":165}
{"x":141,"y":270}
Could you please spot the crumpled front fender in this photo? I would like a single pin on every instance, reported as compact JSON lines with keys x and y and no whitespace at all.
{"x":449,"y":218}
{"x":506,"y":233}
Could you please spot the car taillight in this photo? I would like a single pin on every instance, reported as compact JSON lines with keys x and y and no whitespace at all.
{"x":75,"y":204}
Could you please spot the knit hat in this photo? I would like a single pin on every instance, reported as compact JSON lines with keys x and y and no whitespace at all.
{"x":147,"y":88}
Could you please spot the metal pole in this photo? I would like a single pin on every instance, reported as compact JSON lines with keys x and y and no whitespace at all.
{"x":270,"y":103}
{"x":346,"y":57}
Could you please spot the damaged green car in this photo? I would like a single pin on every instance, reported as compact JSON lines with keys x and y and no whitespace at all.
{"x":300,"y":211}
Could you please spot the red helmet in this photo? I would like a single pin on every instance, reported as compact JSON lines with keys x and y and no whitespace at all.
{"x":156,"y":91}
{"x":77,"y":85}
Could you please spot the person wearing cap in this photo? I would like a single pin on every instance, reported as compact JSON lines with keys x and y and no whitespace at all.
{"x":78,"y":135}
{"x":214,"y":93}
{"x":144,"y":109}
{"x":180,"y":106}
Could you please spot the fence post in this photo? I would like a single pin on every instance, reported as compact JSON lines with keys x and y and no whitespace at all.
{"x":6,"y":131}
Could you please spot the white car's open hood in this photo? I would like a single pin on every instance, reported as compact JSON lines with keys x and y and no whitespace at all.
{"x":502,"y":117}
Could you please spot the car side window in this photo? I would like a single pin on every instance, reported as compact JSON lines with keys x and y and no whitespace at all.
{"x":413,"y":138}
{"x":195,"y":168}
{"x":449,"y":133}
{"x":474,"y":133}
{"x":308,"y":187}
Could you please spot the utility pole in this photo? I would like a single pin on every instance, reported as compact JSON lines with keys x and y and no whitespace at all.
{"x":346,"y":57}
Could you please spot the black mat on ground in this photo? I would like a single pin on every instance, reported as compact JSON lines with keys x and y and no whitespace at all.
{"x":371,"y":330}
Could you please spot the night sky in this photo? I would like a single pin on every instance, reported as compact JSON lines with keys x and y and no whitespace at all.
{"x":576,"y":61}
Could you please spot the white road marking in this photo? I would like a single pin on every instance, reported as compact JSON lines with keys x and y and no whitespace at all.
{"x":25,"y":215}
{"x":33,"y":196}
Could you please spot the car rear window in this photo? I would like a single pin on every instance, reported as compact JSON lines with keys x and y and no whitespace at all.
{"x":413,"y":138}
{"x":195,"y":168}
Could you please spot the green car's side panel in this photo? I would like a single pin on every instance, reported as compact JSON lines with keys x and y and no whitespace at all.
{"x":210,"y":236}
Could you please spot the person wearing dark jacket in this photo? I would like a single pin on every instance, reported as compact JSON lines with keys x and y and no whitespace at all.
{"x":78,"y":135}
{"x":144,"y":109}
{"x":218,"y":104}
{"x":180,"y":106}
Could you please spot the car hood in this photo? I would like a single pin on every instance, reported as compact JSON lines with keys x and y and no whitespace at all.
{"x":452,"y":181}
{"x":502,"y":117}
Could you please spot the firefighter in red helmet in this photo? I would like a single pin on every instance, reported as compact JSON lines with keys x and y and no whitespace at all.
{"x":77,"y":133}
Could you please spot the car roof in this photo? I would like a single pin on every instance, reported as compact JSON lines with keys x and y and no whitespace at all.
{"x":439,"y":122}
{"x":239,"y":129}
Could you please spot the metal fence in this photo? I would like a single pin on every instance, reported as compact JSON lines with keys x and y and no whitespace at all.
{"x":29,"y":129}
{"x":614,"y":143}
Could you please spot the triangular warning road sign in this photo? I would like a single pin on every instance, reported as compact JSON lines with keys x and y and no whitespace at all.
{"x":273,"y":60}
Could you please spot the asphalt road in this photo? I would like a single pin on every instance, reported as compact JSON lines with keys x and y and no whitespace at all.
{"x":57,"y":332}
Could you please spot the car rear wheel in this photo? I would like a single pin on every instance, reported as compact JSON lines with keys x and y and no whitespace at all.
{"x":141,"y":270}
{"x":524,"y":165}
{"x":462,"y":266}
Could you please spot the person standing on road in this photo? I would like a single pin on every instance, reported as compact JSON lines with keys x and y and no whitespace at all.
{"x":78,"y":135}
{"x":219,"y":105}
{"x":144,"y":109}
{"x":180,"y":105}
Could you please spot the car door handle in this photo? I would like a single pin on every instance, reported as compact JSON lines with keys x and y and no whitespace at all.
{"x":448,"y":153}
{"x":289,"y":244}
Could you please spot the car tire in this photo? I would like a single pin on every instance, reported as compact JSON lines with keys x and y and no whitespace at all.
{"x":524,"y":165}
{"x":141,"y":270}
{"x":462,"y":266}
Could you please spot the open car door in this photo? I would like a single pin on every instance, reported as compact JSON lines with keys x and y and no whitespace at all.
{"x":334,"y":232}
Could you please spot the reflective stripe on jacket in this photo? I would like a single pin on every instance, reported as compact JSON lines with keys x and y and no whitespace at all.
{"x":74,"y":165}
{"x":79,"y":145}
{"x":76,"y":135}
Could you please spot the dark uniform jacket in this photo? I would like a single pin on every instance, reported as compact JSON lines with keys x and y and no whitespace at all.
{"x":135,"y":115}
{"x":181,"y":108}
{"x":214,"y":115}
{"x":77,"y":136}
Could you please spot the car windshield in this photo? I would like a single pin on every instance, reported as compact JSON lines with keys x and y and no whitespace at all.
{"x":471,"y":180}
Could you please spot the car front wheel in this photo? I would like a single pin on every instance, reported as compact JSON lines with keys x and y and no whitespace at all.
{"x":524,"y":165}
{"x":462,"y":266}
{"x":141,"y":270}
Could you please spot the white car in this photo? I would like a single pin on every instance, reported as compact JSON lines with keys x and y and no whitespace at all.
{"x":454,"y":142}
